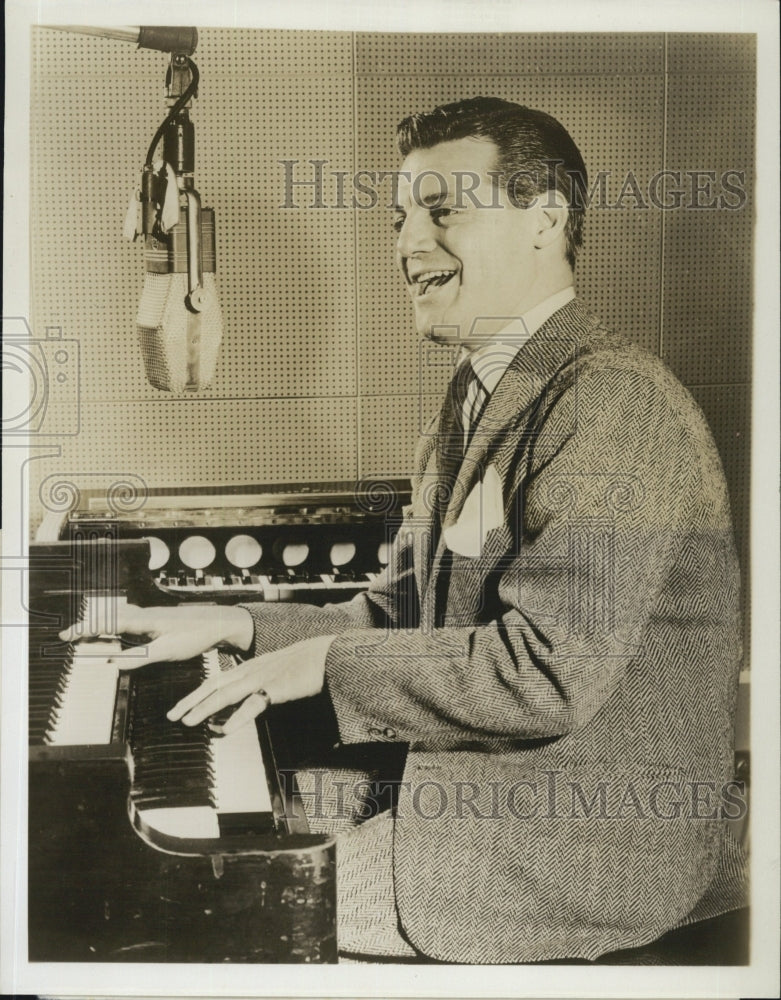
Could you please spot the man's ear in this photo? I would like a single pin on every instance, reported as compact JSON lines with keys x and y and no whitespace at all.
{"x":552,"y":215}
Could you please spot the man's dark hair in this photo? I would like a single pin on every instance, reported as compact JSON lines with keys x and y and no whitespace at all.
{"x":536,"y":153}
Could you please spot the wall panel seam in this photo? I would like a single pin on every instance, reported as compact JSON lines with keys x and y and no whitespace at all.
{"x":662,"y":227}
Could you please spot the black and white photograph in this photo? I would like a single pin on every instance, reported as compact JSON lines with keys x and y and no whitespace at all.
{"x":390,"y":509}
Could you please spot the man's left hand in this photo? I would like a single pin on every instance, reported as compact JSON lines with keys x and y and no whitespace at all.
{"x":297,"y":671}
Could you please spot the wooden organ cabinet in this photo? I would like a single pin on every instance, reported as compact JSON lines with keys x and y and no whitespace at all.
{"x":149,"y":841}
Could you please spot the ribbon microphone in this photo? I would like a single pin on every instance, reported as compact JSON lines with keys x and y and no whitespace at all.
{"x":179,"y":321}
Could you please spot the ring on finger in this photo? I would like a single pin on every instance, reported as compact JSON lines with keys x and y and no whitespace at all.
{"x":263,"y":698}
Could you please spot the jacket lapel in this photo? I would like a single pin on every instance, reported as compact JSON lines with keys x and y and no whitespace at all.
{"x":551,"y":348}
{"x":523,"y":383}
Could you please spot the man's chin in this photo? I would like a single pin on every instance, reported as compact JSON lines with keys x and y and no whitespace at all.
{"x":442,"y":333}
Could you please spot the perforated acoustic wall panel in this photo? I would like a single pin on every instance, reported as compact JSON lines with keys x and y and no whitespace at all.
{"x":321,"y":375}
{"x":282,"y":405}
{"x":282,"y":281}
{"x":709,"y":131}
{"x":707,"y":263}
{"x":505,"y":54}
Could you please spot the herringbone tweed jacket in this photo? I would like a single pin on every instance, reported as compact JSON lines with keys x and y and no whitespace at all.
{"x":567,"y":693}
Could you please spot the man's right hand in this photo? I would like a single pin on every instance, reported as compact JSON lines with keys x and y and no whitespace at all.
{"x":176,"y":633}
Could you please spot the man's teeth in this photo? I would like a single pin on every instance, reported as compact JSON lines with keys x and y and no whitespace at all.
{"x":429,"y":279}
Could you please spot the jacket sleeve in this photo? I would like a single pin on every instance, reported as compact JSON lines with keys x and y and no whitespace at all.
{"x":390,"y":603}
{"x":613,"y":477}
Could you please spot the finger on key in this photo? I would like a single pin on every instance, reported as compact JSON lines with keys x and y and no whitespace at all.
{"x":158,"y":651}
{"x":193,"y":698}
{"x":175,"y":645}
{"x":252,"y":706}
{"x":111,"y":616}
{"x":229,"y":694}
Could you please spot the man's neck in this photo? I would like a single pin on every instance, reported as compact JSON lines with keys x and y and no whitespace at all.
{"x":522,"y":323}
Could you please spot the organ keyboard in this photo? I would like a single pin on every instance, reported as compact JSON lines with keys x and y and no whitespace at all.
{"x":150,"y":840}
{"x":186,"y":782}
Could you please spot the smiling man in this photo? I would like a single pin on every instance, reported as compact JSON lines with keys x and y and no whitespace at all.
{"x":556,"y":637}
{"x":479,"y":242}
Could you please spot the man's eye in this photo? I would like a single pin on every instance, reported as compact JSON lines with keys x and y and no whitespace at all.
{"x":398,"y":222}
{"x":443,"y":214}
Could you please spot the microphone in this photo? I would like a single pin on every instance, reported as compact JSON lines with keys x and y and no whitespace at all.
{"x":156,"y":36}
{"x":180,"y":326}
{"x":179,"y":322}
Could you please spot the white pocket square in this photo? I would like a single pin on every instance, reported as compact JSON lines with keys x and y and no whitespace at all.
{"x":483,"y":511}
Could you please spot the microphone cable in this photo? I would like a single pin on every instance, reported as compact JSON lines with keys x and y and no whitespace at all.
{"x":175,"y":109}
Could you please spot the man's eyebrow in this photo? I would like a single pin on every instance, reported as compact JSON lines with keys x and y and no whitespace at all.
{"x":435,"y":198}
{"x":426,"y":200}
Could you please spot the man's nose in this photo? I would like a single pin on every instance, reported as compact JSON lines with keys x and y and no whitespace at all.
{"x":416,"y":235}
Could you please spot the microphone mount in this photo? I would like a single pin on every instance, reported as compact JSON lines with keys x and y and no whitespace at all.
{"x":178,"y":135}
{"x":159,"y":37}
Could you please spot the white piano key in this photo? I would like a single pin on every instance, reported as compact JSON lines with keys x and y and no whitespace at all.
{"x":239,"y":783}
{"x":86,"y":712}
{"x":270,"y":590}
{"x":239,"y":774}
{"x":183,"y":822}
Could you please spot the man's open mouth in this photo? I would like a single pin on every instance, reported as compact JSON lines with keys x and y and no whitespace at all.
{"x":427,"y":280}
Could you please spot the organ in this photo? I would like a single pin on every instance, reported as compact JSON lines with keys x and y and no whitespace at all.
{"x":148,"y":840}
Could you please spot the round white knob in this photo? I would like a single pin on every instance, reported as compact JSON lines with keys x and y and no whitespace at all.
{"x":158,"y":552}
{"x":294,"y":555}
{"x":342,"y":553}
{"x":197,"y":552}
{"x":243,"y":551}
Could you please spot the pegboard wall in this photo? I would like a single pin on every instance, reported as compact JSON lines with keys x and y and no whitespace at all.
{"x":319,"y":375}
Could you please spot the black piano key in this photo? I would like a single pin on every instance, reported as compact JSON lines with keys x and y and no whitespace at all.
{"x":157,"y":759}
{"x":171,"y":762}
{"x":174,"y":777}
{"x":49,"y":664}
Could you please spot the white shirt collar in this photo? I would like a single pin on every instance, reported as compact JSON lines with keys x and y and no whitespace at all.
{"x":491,"y":360}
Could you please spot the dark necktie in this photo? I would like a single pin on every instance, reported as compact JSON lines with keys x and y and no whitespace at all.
{"x":450,"y":440}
